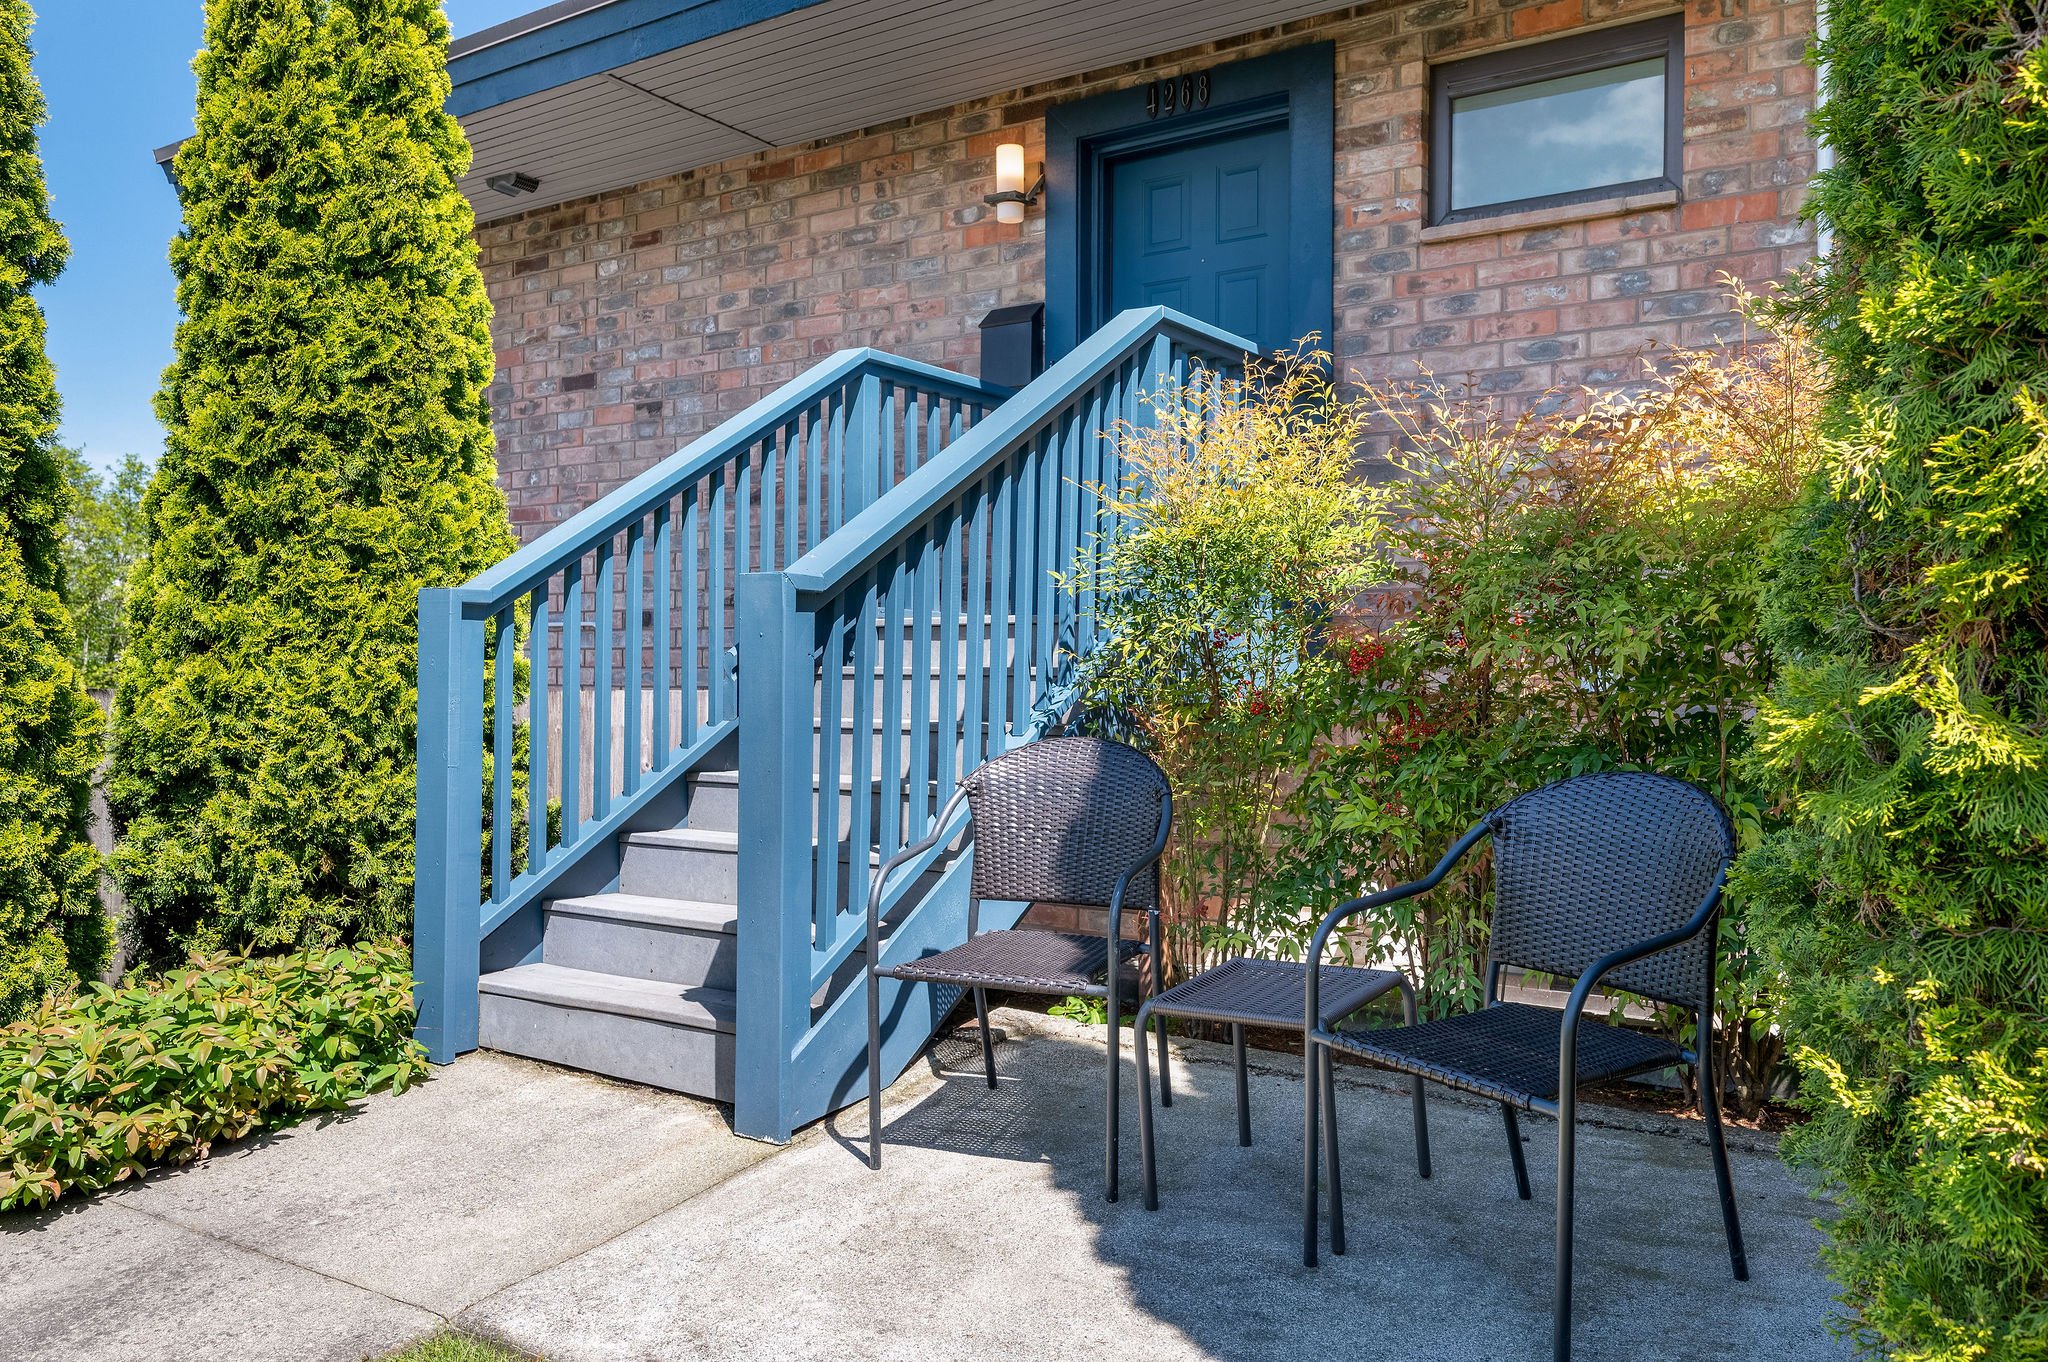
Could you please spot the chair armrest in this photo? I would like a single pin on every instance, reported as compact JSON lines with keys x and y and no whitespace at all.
{"x":1568,"y":1033}
{"x":880,"y":882}
{"x":1312,"y":1021}
{"x":1113,"y":925}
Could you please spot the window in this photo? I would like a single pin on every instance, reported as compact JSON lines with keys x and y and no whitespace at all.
{"x":1569,"y":121}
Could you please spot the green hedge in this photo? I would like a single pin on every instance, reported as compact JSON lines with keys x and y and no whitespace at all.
{"x":52,"y":931}
{"x":327,"y":453}
{"x":99,"y":1087}
{"x":1907,"y":901}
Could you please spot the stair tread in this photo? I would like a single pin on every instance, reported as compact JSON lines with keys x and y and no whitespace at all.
{"x":688,"y":839}
{"x":694,"y":914}
{"x":703,"y":1009}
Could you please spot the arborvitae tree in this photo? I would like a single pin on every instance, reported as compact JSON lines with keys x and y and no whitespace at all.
{"x":52,"y":932}
{"x":1907,"y":905}
{"x":328,"y":454}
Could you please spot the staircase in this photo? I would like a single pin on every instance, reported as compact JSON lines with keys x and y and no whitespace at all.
{"x":663,"y":747}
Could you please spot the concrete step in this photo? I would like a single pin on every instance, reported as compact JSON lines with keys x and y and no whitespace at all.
{"x":663,"y":1034}
{"x":699,"y":865}
{"x":635,"y":936}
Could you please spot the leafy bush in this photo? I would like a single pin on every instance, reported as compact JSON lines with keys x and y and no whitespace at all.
{"x":1579,"y":592}
{"x":1241,"y":531}
{"x":328,"y":453}
{"x":98,"y":1087}
{"x":52,"y":931}
{"x":1906,"y":902}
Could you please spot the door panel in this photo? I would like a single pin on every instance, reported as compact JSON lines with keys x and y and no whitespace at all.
{"x":1203,"y":228}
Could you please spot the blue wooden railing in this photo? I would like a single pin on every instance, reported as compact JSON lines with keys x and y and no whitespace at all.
{"x":628,"y":626}
{"x":930,"y":631}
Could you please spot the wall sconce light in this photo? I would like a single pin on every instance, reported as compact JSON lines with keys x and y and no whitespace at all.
{"x":1011,"y":196}
{"x":513,"y":183}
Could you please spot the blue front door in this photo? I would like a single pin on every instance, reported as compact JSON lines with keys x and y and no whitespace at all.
{"x":1203,"y":228}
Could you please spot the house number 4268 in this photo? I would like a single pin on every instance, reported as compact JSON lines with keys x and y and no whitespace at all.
{"x":1177,"y":95}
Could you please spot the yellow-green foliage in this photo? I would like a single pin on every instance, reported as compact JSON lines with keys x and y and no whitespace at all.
{"x":328,"y":454}
{"x":1241,"y":531}
{"x":1907,"y":902}
{"x":52,"y":931}
{"x":96,"y":1088}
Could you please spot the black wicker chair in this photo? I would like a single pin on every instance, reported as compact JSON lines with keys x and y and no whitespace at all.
{"x":1062,"y":820}
{"x":1613,"y":878}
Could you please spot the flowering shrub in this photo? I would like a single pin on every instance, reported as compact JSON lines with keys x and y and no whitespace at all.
{"x":1577,"y":592}
{"x":94,"y":1089}
{"x":1241,"y":532}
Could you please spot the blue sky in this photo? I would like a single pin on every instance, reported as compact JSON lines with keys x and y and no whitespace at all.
{"x":118,"y":79}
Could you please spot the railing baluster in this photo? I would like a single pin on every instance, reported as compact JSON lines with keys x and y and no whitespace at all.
{"x":504,"y":661}
{"x":664,"y":625}
{"x":1051,"y":607}
{"x":865,"y":735}
{"x":601,"y":655}
{"x":975,"y":672}
{"x":635,"y":655}
{"x":1023,"y":583}
{"x":537,"y":729}
{"x":687,"y":647}
{"x":815,"y":432}
{"x":1002,"y":634}
{"x":791,"y":488}
{"x":893,"y":776}
{"x":719,"y":541}
{"x":572,"y":701}
{"x":831,"y":695}
{"x":949,"y":735}
{"x":766,"y":512}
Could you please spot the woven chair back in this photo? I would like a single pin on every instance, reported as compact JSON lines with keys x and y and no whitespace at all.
{"x":1061,"y":819}
{"x":1597,"y":862}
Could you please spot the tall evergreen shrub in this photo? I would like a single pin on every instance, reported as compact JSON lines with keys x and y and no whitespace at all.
{"x":328,"y":454}
{"x":51,"y":929}
{"x":1907,"y":903}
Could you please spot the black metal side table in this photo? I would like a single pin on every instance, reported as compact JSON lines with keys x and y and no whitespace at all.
{"x":1253,"y":992}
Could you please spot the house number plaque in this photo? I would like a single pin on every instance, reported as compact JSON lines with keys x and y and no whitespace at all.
{"x":1179,"y":94}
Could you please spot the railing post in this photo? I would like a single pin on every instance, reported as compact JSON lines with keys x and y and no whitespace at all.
{"x":448,"y":829}
{"x":775,"y":709}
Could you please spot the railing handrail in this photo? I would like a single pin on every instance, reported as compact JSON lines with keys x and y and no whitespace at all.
{"x":496,"y":587}
{"x":883,"y":524}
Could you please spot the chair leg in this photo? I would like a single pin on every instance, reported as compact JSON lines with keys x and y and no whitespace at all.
{"x":1710,"y":1107}
{"x":1328,"y":1082}
{"x":874,"y":1072}
{"x":1310,"y":1110}
{"x":1109,"y":1149}
{"x":1515,"y":1148}
{"x":1159,"y":1024}
{"x":1244,"y":1087}
{"x":1561,"y":1325}
{"x":988,"y":1044}
{"x":1417,"y":1100}
{"x":1145,"y":1150}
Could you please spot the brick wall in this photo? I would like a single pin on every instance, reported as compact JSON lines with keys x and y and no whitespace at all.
{"x":631,"y":322}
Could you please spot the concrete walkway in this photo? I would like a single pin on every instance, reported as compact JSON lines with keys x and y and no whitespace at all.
{"x":589,"y":1222}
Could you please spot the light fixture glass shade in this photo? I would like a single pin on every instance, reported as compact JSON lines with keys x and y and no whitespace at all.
{"x":1010,"y":180}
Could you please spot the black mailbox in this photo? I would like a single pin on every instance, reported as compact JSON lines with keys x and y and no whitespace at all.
{"x":1013,"y":344}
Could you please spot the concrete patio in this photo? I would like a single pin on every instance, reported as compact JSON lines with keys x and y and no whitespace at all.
{"x":588,"y":1221}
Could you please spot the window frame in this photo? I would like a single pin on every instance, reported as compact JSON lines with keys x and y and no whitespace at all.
{"x":1568,"y":56}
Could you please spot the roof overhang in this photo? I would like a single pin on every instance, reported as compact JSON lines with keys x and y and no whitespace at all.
{"x":590,"y":95}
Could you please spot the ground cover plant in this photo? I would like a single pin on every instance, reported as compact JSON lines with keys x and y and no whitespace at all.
{"x":328,"y":453}
{"x":1906,"y":900}
{"x":52,"y":930}
{"x":96,"y":1088}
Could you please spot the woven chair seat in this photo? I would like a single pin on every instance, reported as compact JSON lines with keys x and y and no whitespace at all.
{"x":1509,"y":1052}
{"x":1028,"y":961}
{"x":1256,"y":992}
